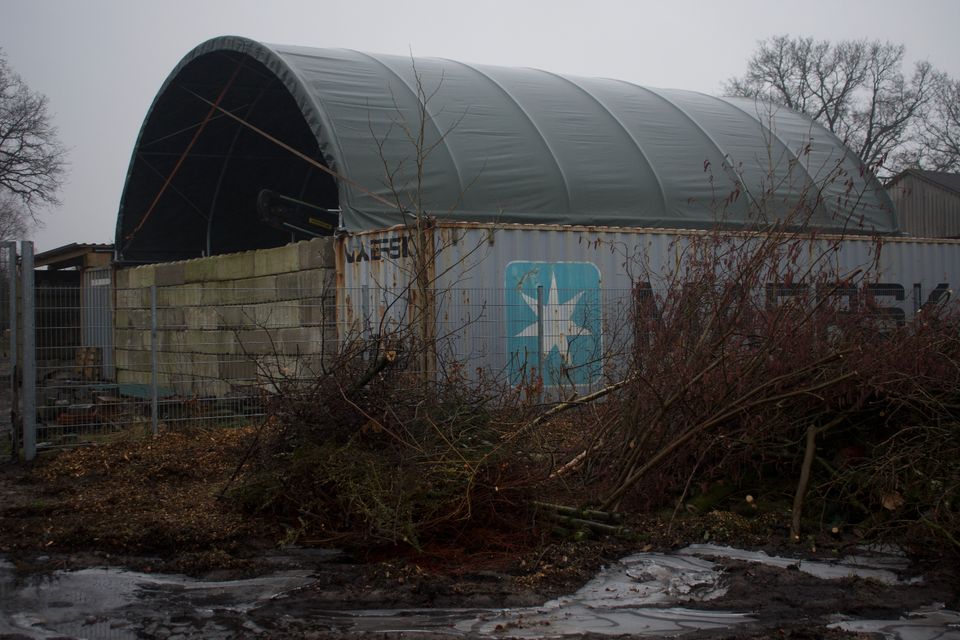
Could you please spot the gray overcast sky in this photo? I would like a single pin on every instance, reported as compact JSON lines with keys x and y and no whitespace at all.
{"x":101,"y":62}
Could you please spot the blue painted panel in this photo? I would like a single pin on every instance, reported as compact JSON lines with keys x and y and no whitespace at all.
{"x":572,"y":339}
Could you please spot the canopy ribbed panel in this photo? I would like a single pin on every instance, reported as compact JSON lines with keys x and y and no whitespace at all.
{"x":523,"y":145}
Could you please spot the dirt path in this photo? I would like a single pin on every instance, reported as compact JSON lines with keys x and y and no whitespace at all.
{"x":128,"y":522}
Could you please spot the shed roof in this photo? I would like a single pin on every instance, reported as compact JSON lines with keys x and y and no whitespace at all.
{"x":515,"y":145}
{"x":942,"y":179}
{"x":75,"y":255}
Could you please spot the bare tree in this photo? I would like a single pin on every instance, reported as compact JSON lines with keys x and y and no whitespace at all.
{"x":15,"y":221}
{"x":856,"y":89}
{"x":940,"y":138}
{"x":31,"y":157}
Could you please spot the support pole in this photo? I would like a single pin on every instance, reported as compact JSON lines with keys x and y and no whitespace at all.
{"x":29,"y":395}
{"x":154,"y":368}
{"x":540,"y":355}
{"x":14,"y":371}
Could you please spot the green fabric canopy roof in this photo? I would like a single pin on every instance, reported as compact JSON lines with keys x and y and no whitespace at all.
{"x":498,"y":144}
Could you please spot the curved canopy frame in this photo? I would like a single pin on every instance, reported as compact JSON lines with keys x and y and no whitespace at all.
{"x":372,"y":136}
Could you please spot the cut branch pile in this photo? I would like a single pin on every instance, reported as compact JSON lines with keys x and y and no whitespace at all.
{"x":756,"y":364}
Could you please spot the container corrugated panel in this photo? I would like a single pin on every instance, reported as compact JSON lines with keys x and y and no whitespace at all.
{"x":499,"y":287}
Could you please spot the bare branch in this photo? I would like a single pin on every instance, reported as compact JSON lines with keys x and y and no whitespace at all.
{"x":32,"y":159}
{"x":856,"y":89}
{"x":940,"y":139}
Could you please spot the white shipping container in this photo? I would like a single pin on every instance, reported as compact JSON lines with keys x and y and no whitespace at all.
{"x":510,"y":297}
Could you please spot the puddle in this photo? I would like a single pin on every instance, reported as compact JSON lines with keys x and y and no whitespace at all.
{"x":626,"y":598}
{"x":118,"y":604}
{"x":882,"y":565}
{"x":623,"y":599}
{"x":647,"y":594}
{"x":934,"y":623}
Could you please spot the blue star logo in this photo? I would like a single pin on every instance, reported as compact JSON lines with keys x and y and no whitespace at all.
{"x":567,"y":339}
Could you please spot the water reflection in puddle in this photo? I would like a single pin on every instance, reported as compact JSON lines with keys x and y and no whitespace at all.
{"x":643,"y":594}
{"x":882,"y":566}
{"x":933,"y":623}
{"x":117,"y":604}
{"x":629,"y":597}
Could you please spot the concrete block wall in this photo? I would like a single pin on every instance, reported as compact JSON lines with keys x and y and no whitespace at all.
{"x":227,"y":323}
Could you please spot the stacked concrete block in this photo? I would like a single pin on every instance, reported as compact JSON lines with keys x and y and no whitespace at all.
{"x":225,"y":322}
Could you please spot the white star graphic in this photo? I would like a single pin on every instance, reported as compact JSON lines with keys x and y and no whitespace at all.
{"x":558,"y":324}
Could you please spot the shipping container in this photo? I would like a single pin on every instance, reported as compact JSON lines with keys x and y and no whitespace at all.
{"x":509,"y":299}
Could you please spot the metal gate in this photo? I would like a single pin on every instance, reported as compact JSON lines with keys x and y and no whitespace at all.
{"x":96,"y":310}
{"x":56,"y":357}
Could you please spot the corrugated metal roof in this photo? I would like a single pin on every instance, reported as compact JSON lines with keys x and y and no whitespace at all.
{"x":943,"y":179}
{"x":70,"y":255}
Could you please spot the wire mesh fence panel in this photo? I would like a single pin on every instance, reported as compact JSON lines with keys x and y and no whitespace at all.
{"x":560,"y":341}
{"x":108,"y":361}
{"x":113,"y":359}
{"x":564,"y":340}
{"x":210,"y":355}
{"x":77,"y":398}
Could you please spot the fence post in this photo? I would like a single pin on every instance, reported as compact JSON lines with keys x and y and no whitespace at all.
{"x":11,"y":248}
{"x":154,"y":372}
{"x":543,"y":378}
{"x":29,"y":393}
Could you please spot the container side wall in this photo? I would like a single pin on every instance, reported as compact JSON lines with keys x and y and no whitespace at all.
{"x":495,"y":284}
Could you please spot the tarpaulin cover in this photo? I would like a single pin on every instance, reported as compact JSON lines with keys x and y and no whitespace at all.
{"x":480,"y":143}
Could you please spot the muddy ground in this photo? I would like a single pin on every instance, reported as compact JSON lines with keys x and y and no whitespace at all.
{"x":154,"y":507}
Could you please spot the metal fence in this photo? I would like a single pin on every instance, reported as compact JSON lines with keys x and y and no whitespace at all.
{"x":562,"y":337}
{"x":107,"y":361}
{"x":97,"y":360}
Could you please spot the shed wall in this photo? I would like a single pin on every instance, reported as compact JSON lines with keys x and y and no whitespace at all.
{"x":925,"y":209}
